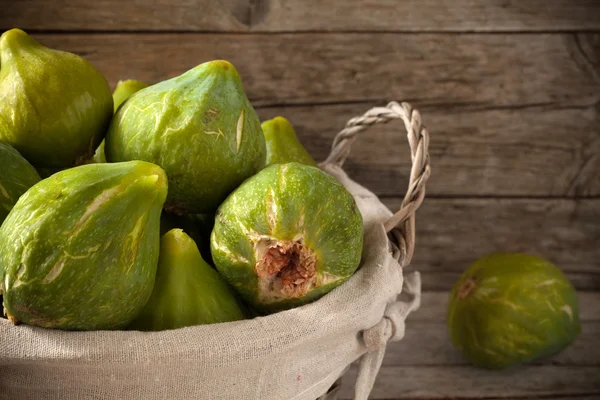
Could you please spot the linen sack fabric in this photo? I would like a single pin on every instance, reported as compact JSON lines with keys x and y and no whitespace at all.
{"x":296,"y":354}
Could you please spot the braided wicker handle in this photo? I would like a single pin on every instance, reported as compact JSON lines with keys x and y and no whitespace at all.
{"x":401,"y":226}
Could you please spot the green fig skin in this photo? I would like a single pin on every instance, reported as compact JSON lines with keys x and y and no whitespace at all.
{"x":511,"y":308}
{"x":187,"y":291}
{"x":200,"y":128}
{"x":123,"y":91}
{"x":55,"y":106}
{"x":283,"y":145}
{"x":99,"y":156}
{"x":16,"y":176}
{"x":80,"y":248}
{"x":296,"y":213}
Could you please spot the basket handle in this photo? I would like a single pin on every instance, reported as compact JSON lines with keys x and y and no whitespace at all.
{"x":401,"y":226}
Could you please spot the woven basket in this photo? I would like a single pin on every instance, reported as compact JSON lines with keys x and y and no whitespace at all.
{"x":298,"y":354}
{"x":401,"y":226}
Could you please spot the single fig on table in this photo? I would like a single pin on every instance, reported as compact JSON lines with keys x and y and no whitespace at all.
{"x":122,"y":92}
{"x":510,"y":308}
{"x":283,"y":145}
{"x":187,"y":291}
{"x":200,"y":128}
{"x":287,"y":236}
{"x":80,"y":248}
{"x":55,"y":106}
{"x":16,"y":176}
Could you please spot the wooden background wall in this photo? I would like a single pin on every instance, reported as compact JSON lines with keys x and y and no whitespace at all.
{"x":509,"y":89}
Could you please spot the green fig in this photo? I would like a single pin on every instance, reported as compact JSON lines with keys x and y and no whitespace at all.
{"x":16,"y":176}
{"x":507,"y":309}
{"x":122,"y":92}
{"x":283,"y":145}
{"x":200,"y":128}
{"x":187,"y":291}
{"x":54,"y":106}
{"x":287,"y":236}
{"x":80,"y":249}
{"x":99,"y":156}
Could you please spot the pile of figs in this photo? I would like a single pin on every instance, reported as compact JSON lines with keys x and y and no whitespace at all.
{"x":159,"y":206}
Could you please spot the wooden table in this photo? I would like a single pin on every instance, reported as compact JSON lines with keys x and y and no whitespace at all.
{"x":509,"y":89}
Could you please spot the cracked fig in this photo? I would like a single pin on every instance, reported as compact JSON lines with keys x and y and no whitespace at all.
{"x":287,"y":236}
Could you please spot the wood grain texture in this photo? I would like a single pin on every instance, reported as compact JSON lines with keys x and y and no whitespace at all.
{"x":428,"y":344}
{"x":499,"y":108}
{"x":534,"y":151}
{"x":499,"y":397}
{"x":493,"y":70}
{"x":434,"y":305}
{"x":439,"y":280}
{"x":508,"y":116}
{"x":466,"y":382}
{"x":297,"y":15}
{"x":453,"y":233}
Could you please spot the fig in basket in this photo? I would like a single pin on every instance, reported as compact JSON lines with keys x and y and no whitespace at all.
{"x":287,"y":236}
{"x":55,"y":107}
{"x":200,"y":127}
{"x":283,"y":145}
{"x":80,"y":249}
{"x":125,"y":89}
{"x":187,"y":291}
{"x":507,"y":309}
{"x":203,"y":224}
{"x":122,"y":92}
{"x":173,"y":221}
{"x":16,"y":176}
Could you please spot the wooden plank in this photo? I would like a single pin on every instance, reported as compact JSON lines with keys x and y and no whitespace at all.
{"x":538,"y":151}
{"x":476,"y":149}
{"x":495,"y":70}
{"x":310,"y":15}
{"x":428,"y":343}
{"x":453,"y":233}
{"x":441,"y":280}
{"x":436,"y":382}
{"x":500,"y":397}
{"x":434,"y":305}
